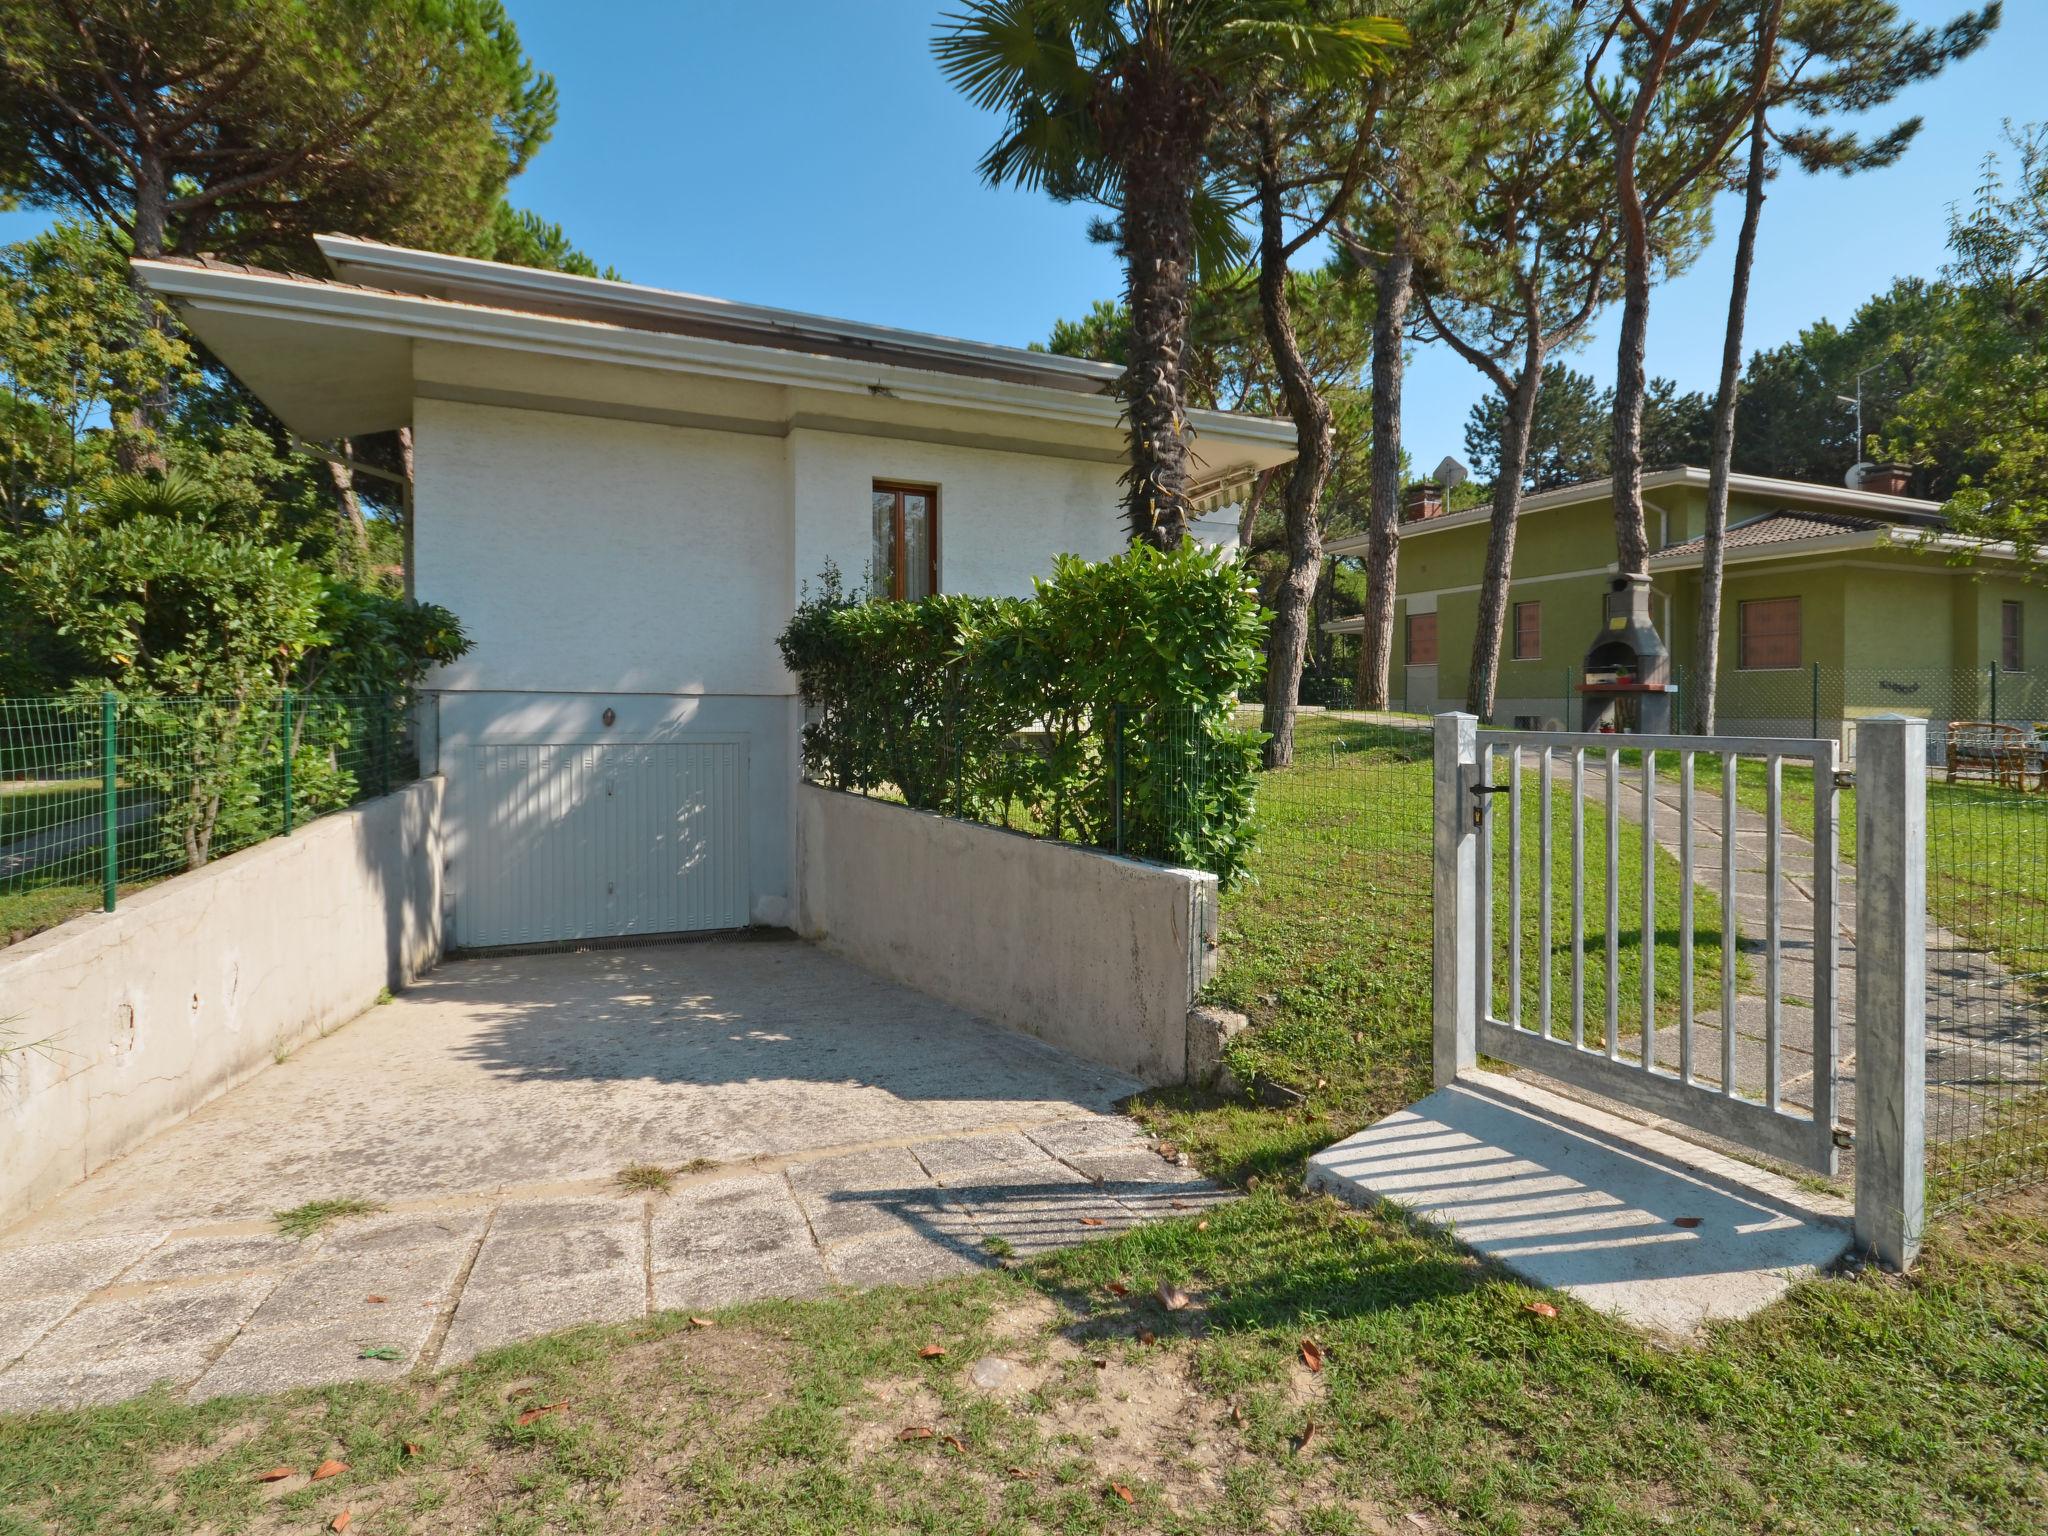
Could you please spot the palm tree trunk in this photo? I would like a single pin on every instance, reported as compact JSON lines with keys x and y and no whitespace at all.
{"x":1383,"y":549}
{"x":1707,"y":645}
{"x":1482,"y":679}
{"x":1159,"y":261}
{"x":1315,"y":450}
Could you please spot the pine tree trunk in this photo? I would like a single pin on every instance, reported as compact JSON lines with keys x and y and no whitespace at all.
{"x":1482,"y":679}
{"x":406,"y":507}
{"x":1315,"y":450}
{"x":1383,"y":549}
{"x":136,"y":447}
{"x":1631,"y":536}
{"x":1159,"y":259}
{"x":1707,"y":643}
{"x":352,"y":534}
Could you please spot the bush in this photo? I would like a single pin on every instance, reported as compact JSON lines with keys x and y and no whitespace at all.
{"x":1111,"y":689}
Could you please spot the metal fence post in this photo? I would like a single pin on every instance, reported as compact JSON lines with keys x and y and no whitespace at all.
{"x":1994,"y":693}
{"x":110,"y":801}
{"x":1454,"y":1036}
{"x":1891,"y":987}
{"x":285,"y":749}
{"x":1816,"y":700}
{"x":1116,"y":814}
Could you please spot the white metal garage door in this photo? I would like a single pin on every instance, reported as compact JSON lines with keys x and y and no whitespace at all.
{"x":589,"y":842}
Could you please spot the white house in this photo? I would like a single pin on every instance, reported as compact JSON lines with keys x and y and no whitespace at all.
{"x":621,"y":492}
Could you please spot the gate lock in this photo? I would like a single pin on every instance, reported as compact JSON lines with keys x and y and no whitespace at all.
{"x":1479,"y":793}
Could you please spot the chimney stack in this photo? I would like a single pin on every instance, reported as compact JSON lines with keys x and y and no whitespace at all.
{"x":1424,"y":499}
{"x":1888,"y":480}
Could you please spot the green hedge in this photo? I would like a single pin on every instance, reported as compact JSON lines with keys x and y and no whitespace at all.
{"x":1098,"y":711}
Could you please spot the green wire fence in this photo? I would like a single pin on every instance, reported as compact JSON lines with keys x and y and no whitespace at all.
{"x":100,"y":793}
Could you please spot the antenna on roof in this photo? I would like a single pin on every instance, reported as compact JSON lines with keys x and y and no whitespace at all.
{"x":1450,"y":474}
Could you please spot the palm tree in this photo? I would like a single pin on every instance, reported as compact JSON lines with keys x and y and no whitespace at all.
{"x":1116,"y":102}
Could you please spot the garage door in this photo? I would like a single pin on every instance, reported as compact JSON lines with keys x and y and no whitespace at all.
{"x":560,"y":842}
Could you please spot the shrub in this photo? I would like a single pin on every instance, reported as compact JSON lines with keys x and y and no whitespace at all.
{"x":1111,"y":688}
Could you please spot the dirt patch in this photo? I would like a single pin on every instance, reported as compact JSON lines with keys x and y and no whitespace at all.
{"x":876,"y":1421}
{"x":1146,"y":1420}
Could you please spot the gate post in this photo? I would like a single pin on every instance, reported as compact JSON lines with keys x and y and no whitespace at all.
{"x":1455,"y":881}
{"x":1891,"y":987}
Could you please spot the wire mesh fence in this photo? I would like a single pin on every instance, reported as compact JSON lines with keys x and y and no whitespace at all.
{"x":99,"y":793}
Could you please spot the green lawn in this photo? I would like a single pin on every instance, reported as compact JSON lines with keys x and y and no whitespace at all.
{"x":1864,"y":1403}
{"x":27,"y":808}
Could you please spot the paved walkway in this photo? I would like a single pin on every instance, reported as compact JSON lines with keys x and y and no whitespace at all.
{"x":827,"y":1128}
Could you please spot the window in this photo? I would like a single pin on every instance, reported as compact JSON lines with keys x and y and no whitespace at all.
{"x":905,"y":562}
{"x":1421,"y":639}
{"x":2011,"y":654}
{"x":1768,"y":634}
{"x":1528,"y":631}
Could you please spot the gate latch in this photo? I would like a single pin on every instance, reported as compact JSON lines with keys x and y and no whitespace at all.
{"x":1479,"y":793}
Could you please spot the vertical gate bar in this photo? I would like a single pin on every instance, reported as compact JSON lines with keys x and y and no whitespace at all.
{"x":1482,"y":883}
{"x":1515,"y":886}
{"x":1578,"y":898}
{"x":1774,"y":817}
{"x":1649,"y":941}
{"x":1453,"y":911}
{"x":1728,"y":924}
{"x":1685,"y":944}
{"x":1826,"y":949}
{"x":1543,"y":888}
{"x":1613,"y":903}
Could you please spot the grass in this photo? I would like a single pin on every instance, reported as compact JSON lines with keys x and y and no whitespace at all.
{"x":29,"y":807}
{"x":302,"y":1221}
{"x":1863,"y":1403}
{"x":646,"y":1177}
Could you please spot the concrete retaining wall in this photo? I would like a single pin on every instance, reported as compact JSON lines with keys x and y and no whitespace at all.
{"x":146,"y":1013}
{"x":1097,"y":954}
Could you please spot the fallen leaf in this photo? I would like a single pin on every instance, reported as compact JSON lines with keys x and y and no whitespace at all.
{"x":340,"y":1521}
{"x":1179,"y":1205}
{"x":375,"y":1301}
{"x":1100,"y":1365}
{"x":1117,"y":1288}
{"x":1312,"y":1354}
{"x":329,"y":1468}
{"x":1685,"y":1221}
{"x":1202,"y":1225}
{"x":931,"y":1352}
{"x":1168,"y":1150}
{"x":1237,"y":1413}
{"x":1416,"y":1520}
{"x":541,"y":1412}
{"x":701,"y":1322}
{"x":1308,"y":1433}
{"x":1018,"y":1474}
{"x":1172,"y":1297}
{"x":1123,"y":1493}
{"x":1091,"y":1221}
{"x":276,"y":1474}
{"x":412,"y":1447}
{"x":957,"y":1443}
{"x":1541,"y":1309}
{"x":1147,"y":1336}
{"x":915,"y":1432}
{"x":381,"y":1352}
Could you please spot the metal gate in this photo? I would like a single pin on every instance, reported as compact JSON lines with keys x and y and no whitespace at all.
{"x":1623,"y":1016}
{"x":577,"y":841}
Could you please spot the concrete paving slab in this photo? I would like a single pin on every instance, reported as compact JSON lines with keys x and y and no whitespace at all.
{"x":184,"y":1258}
{"x":409,"y":1281}
{"x":906,"y":1259}
{"x":316,"y":1355}
{"x":425,"y":1229}
{"x":27,"y":1389}
{"x":1570,"y":1197}
{"x":196,"y":1318}
{"x":24,"y":1322}
{"x":704,"y":1283}
{"x":85,"y":1264}
{"x":511,"y":1257}
{"x":487,"y":1319}
{"x":881,"y":1193}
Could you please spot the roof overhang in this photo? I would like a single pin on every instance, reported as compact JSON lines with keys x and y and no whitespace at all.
{"x":1922,"y":540}
{"x":338,"y":360}
{"x":1798,"y":492}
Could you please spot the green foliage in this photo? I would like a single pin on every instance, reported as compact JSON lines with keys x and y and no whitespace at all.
{"x":1571,"y":439}
{"x":1988,"y":383}
{"x":979,"y":705}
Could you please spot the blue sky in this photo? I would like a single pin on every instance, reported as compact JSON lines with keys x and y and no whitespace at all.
{"x":810,"y":155}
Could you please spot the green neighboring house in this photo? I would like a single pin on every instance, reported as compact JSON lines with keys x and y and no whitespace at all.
{"x":1838,"y":603}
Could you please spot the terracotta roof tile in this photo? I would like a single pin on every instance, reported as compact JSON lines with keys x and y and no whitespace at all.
{"x":1783,"y":527}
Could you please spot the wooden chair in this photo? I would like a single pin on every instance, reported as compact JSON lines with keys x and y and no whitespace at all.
{"x":1981,"y":750}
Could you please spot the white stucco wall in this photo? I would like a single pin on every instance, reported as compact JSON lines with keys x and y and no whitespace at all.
{"x":148,"y":1012}
{"x":1002,"y":516}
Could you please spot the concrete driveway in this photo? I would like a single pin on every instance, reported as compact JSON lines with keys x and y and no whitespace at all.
{"x":824,"y":1126}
